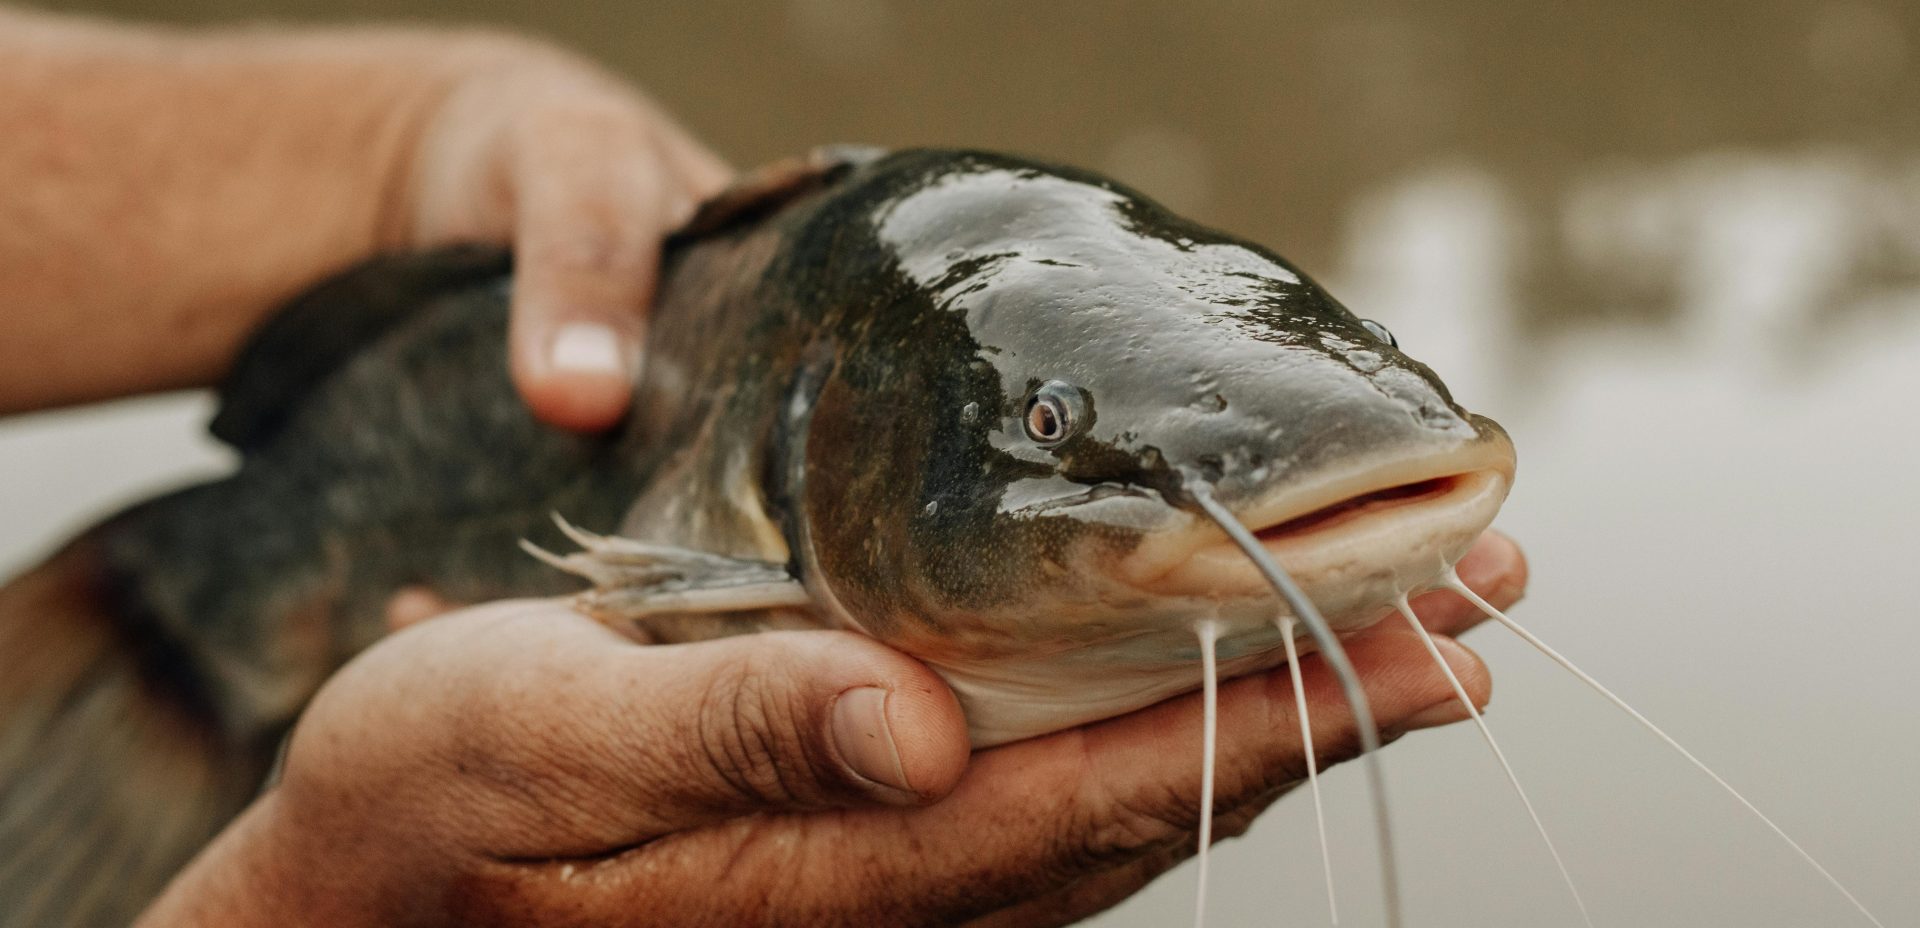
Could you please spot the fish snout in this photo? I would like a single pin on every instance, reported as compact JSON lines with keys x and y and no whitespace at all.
{"x":1255,"y":435}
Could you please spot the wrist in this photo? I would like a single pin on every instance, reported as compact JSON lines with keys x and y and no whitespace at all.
{"x":241,"y":880}
{"x":276,"y":866}
{"x":185,"y":184}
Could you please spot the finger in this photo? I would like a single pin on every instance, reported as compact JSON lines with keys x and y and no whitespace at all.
{"x":702,"y":173}
{"x":564,"y":730}
{"x":1087,"y":896}
{"x":784,"y":721}
{"x":1034,"y":817}
{"x":1494,"y":567}
{"x":1098,"y":892}
{"x":592,"y":204}
{"x":1142,"y":769}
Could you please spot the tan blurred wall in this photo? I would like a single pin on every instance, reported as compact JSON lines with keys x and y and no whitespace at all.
{"x":1266,"y":118}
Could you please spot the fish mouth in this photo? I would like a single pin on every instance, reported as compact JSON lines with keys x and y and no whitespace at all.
{"x":1332,"y":516}
{"x":1369,"y":537}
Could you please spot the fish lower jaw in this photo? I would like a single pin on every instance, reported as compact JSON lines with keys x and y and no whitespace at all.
{"x":1010,"y":697}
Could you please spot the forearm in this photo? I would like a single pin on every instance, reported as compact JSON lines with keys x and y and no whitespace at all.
{"x":235,"y":881}
{"x":274,"y":867}
{"x":164,"y":189}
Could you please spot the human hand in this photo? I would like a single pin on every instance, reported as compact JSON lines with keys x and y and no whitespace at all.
{"x":178,"y":185}
{"x":516,"y":763}
{"x":585,"y":177}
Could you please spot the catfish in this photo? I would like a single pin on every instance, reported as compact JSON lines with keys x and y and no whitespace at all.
{"x":954,"y":400}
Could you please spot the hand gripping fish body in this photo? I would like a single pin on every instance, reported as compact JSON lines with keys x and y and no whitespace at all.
{"x":952,"y":400}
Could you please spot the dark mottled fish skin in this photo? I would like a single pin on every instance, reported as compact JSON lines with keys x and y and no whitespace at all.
{"x":412,"y":465}
{"x":837,"y":351}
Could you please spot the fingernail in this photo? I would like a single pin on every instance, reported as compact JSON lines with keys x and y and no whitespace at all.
{"x":588,"y":348}
{"x":866,"y":743}
{"x":1445,"y":713}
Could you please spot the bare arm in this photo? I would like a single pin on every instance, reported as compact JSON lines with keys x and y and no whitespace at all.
{"x":166,"y":188}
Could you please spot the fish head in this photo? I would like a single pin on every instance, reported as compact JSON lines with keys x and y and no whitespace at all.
{"x":1046,"y":366}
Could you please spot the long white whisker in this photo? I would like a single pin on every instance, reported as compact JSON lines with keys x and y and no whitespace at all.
{"x":1208,"y":632}
{"x":1453,"y":581}
{"x":1335,"y":655}
{"x":1313,"y":765}
{"x":1460,"y":692}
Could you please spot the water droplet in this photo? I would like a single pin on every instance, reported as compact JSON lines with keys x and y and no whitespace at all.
{"x":1364,"y":361}
{"x":970,"y":413}
{"x":933,"y":506}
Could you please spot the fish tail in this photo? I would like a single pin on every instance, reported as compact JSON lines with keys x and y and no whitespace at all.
{"x":112,"y":774}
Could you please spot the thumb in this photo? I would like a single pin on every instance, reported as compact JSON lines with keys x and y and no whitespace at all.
{"x":796,"y":720}
{"x":528,"y":730}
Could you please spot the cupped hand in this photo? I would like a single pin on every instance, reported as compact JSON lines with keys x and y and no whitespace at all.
{"x":518,"y":764}
{"x":585,"y":177}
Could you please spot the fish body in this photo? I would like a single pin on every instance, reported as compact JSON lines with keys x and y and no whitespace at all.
{"x":949,"y":399}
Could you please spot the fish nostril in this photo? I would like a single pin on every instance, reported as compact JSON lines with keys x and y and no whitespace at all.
{"x":1436,"y":416}
{"x":1216,"y":402}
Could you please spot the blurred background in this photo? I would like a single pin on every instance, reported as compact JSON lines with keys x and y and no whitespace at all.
{"x":1673,"y":247}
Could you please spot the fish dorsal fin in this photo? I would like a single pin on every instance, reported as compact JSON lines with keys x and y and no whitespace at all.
{"x":634,"y":580}
{"x":315,"y":334}
{"x":771,"y":186}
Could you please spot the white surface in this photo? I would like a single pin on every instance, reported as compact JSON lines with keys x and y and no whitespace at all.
{"x":62,"y":471}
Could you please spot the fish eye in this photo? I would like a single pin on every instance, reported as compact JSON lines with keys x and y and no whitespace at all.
{"x":1055,"y":412}
{"x":1380,"y":332}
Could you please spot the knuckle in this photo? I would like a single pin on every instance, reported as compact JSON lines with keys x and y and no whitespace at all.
{"x":492,"y":742}
{"x":1128,"y":827}
{"x":750,"y":737}
{"x":573,"y":107}
{"x":1111,"y":827}
{"x":526,"y":737}
{"x":1286,"y":763}
{"x":596,"y":244}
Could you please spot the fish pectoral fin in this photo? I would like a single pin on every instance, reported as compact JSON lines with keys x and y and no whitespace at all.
{"x":632,"y":603}
{"x":635,"y":579}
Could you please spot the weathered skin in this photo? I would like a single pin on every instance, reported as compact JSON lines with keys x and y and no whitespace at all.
{"x":835,"y":392}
